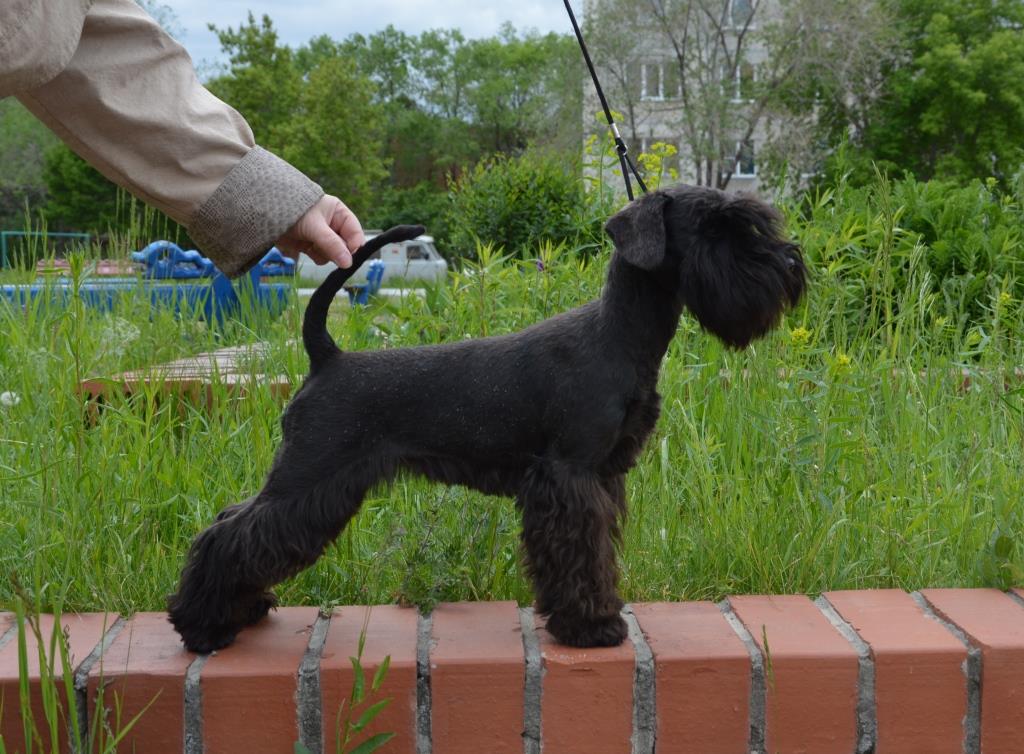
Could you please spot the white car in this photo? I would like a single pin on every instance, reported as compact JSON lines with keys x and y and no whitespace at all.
{"x":409,"y":260}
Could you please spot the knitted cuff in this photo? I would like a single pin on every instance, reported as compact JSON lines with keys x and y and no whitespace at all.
{"x":261,"y":198}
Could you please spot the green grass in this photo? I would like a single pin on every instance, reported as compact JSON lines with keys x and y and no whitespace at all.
{"x":840,"y":452}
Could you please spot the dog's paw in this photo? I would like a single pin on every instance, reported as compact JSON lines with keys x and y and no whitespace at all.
{"x":606,"y":632}
{"x":210,"y":642}
{"x":200,"y":635}
{"x":259,"y":607}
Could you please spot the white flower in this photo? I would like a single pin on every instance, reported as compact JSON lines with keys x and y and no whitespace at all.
{"x":117,"y":336}
{"x":9,"y":399}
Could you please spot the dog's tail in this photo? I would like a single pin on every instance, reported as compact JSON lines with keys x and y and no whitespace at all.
{"x":319,"y":344}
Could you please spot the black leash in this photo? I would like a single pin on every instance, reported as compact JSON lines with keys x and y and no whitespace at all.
{"x":620,"y":146}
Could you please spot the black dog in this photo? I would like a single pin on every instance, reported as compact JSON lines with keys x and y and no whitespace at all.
{"x":554,"y":415}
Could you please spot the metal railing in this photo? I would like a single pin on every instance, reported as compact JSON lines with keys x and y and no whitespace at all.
{"x":7,"y":234}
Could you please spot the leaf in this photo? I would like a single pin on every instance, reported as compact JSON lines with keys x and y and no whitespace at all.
{"x":372,"y":744}
{"x":371,"y":712}
{"x":300,"y":748}
{"x":1004,"y":547}
{"x":382,"y":671}
{"x":358,"y":683}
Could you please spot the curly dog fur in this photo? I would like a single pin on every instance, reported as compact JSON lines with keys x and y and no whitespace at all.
{"x":554,"y":415}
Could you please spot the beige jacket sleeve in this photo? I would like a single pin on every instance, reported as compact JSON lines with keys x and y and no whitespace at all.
{"x":128,"y":102}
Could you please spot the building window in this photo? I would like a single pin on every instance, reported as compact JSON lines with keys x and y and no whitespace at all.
{"x":739,"y":83}
{"x":659,"y":81}
{"x":671,"y":80}
{"x":740,"y":12}
{"x":744,"y":160}
{"x":746,"y":78}
{"x":651,"y":81}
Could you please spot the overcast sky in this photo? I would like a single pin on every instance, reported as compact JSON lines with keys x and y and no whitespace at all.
{"x":298,"y":20}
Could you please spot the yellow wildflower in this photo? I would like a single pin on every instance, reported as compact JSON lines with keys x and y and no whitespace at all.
{"x":800,"y":336}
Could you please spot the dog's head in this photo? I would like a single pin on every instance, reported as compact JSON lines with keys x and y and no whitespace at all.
{"x":725,"y":253}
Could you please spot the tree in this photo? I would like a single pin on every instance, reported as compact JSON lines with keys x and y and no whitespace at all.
{"x":386,"y":58}
{"x":517,"y":88}
{"x":423,"y":144}
{"x":23,"y":144}
{"x":80,"y":197}
{"x":611,"y":29}
{"x":450,"y":101}
{"x":311,"y":106}
{"x":335,"y":134}
{"x":262,"y":82}
{"x":724,"y":74}
{"x":953,"y":102}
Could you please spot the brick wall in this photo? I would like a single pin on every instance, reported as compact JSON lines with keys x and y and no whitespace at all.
{"x":853,"y":672}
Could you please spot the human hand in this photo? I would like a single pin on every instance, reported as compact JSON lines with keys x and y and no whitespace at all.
{"x":328,"y":232}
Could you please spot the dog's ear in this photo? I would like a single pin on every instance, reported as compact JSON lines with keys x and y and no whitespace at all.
{"x":638,"y":230}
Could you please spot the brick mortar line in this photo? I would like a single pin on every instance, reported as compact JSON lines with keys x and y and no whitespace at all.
{"x":972,"y":670}
{"x":645,"y":716}
{"x":81,"y":682}
{"x":193,"y":717}
{"x":1011,"y":594}
{"x":758,"y":686}
{"x":533,"y":683}
{"x":424,"y":624}
{"x":308,"y":700}
{"x":867,"y":713}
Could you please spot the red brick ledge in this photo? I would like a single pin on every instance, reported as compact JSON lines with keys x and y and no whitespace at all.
{"x":860,"y":671}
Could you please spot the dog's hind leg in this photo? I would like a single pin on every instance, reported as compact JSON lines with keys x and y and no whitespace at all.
{"x":233,"y":564}
{"x":570,"y":524}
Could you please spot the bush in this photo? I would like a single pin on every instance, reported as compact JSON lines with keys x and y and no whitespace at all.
{"x":515,"y":203}
{"x":423,"y":204}
{"x":915,"y":259}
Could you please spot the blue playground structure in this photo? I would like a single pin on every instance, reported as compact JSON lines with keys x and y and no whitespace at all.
{"x":359,"y":294}
{"x":171,"y":277}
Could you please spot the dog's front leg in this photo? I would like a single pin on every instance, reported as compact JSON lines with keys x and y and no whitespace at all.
{"x":570,"y":524}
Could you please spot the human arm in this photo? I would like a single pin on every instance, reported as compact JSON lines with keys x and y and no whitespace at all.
{"x":129,"y":103}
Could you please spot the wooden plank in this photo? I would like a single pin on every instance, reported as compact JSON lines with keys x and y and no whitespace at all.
{"x":235,"y":369}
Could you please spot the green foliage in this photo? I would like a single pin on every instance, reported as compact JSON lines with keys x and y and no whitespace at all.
{"x":263,"y":82}
{"x":451,"y":100}
{"x":80,"y":198}
{"x":23,"y":142}
{"x":953,"y":106}
{"x":422,"y":204}
{"x":516,"y":202}
{"x":385,"y":57}
{"x":520,"y":84}
{"x":334,"y":135}
{"x":925,"y":259}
